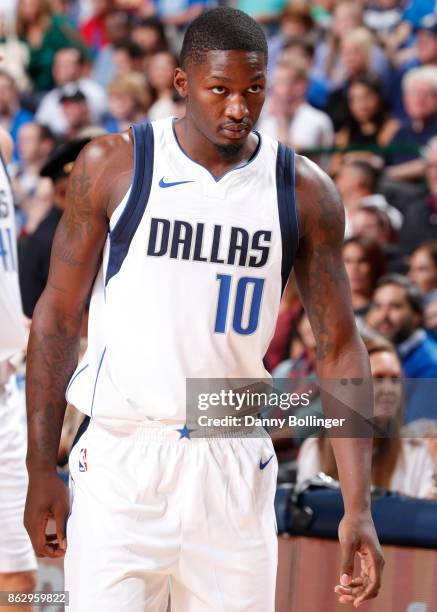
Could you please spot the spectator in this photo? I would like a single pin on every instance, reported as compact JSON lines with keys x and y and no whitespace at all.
{"x":423,"y":269}
{"x":75,"y":110}
{"x":399,"y":464}
{"x":420,"y":215}
{"x":67,"y":68}
{"x":355,"y":54}
{"x":365,"y":264}
{"x":302,"y":351}
{"x":397,"y":313}
{"x":129,"y":101}
{"x":295,"y":23}
{"x":35,"y":143}
{"x":383,"y":16}
{"x":117,"y":31}
{"x":424,"y":54}
{"x":300,"y":366}
{"x":93,"y":30}
{"x":288,"y":117}
{"x":12,"y":115}
{"x":420,"y":97}
{"x":348,"y":16}
{"x":128,"y":57}
{"x":368,"y":123}
{"x":180,"y":12}
{"x":14,"y":52}
{"x":302,"y":51}
{"x":290,"y":309}
{"x":374,"y":223}
{"x":357,"y":183}
{"x":44,"y":33}
{"x":149,"y":34}
{"x":35,"y":254}
{"x":160,"y":76}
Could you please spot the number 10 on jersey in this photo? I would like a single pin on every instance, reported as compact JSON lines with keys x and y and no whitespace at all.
{"x":225,"y":284}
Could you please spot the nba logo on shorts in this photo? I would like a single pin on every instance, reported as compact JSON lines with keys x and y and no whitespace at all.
{"x":82,"y":460}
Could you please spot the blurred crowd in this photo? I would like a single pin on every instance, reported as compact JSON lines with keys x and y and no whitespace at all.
{"x":351,"y":83}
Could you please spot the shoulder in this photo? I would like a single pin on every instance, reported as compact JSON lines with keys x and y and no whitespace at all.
{"x":107,"y":152}
{"x":104,"y":169}
{"x":6,"y":145}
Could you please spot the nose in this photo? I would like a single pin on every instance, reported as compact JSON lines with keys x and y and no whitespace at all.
{"x":236,"y":110}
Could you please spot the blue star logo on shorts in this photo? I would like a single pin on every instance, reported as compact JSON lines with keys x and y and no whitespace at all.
{"x":185,"y":432}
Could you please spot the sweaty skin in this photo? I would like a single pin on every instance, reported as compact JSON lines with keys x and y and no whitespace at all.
{"x":224,"y":97}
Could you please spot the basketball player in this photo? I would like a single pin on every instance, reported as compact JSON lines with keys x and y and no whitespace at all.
{"x":200,"y":212}
{"x":17,"y":559}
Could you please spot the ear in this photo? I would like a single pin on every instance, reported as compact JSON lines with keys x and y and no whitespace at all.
{"x":180,"y":82}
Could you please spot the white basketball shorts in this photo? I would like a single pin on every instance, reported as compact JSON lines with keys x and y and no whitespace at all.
{"x":154,"y":513}
{"x":16,"y":552}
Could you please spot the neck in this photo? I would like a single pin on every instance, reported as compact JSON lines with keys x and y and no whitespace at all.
{"x":359,"y":300}
{"x":203,"y":151}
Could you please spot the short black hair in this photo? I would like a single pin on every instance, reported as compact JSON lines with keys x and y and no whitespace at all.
{"x":221,"y":29}
{"x":412,"y":292}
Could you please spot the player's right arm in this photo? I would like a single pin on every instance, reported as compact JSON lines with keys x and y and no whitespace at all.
{"x":55,"y":333}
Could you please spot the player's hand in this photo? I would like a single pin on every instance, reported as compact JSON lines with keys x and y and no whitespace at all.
{"x":357,"y":535}
{"x":47,"y":497}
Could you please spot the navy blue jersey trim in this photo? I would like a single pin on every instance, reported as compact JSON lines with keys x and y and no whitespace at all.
{"x":218,"y":178}
{"x":121,"y":235}
{"x":285,"y":185}
{"x":81,"y":430}
{"x":74,"y":378}
{"x":97,"y":378}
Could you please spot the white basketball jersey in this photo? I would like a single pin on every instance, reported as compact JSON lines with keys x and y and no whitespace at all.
{"x":12,"y":336}
{"x":191,"y":279}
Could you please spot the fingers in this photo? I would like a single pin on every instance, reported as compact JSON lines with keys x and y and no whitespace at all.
{"x":48,"y":544}
{"x":61,"y":520}
{"x":375,"y":563}
{"x":348,"y":548}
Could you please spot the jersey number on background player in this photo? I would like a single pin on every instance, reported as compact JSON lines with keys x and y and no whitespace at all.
{"x":6,"y":250}
{"x":225,"y":281}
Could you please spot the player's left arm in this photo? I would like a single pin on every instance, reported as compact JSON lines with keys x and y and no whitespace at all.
{"x":324,"y":289}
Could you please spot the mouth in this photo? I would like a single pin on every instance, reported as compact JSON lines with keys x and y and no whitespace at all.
{"x":235,"y":131}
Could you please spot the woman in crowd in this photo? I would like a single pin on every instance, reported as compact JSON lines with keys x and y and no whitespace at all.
{"x":423,"y":269}
{"x":399,"y":464}
{"x":129,"y":101}
{"x":160,"y":73}
{"x":44,"y":33}
{"x":369,"y":124}
{"x":365,"y":263}
{"x":423,"y":272}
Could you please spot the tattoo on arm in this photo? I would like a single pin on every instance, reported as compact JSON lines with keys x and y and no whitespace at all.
{"x":325,"y":267}
{"x":52,"y":357}
{"x":76,"y":220}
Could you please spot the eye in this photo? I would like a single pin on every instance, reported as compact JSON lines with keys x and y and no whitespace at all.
{"x":218,"y":90}
{"x":255,"y":89}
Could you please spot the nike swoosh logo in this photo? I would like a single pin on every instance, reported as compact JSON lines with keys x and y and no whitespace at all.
{"x":265,"y":464}
{"x":163,"y":184}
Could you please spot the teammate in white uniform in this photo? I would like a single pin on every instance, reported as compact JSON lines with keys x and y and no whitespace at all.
{"x":17,"y":559}
{"x":187,"y":230}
